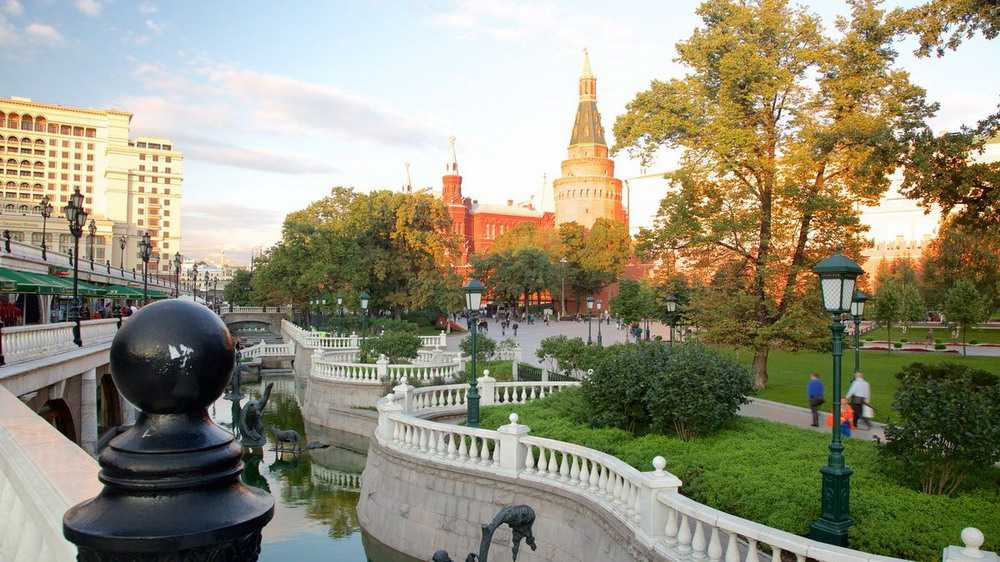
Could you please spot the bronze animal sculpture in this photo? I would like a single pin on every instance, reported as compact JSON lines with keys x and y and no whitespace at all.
{"x":519,"y":518}
{"x":251,"y":418}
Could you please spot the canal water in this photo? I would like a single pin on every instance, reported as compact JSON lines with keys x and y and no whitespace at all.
{"x":315,"y":495}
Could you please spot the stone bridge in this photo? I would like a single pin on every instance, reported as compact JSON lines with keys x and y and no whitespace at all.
{"x":254,"y":324}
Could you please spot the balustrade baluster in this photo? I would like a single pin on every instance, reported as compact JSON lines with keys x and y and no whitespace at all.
{"x":715,"y":546}
{"x":542,"y":462}
{"x":529,"y":459}
{"x":775,"y":554}
{"x":732,"y":548}
{"x":574,"y":471}
{"x":484,"y":453}
{"x":751,"y":551}
{"x":595,"y":475}
{"x":635,"y":503}
{"x":670,"y":529}
{"x":564,"y":467}
{"x":553,"y":465}
{"x":698,"y":542}
{"x":442,"y":449}
{"x":602,"y":484}
{"x":584,"y":473}
{"x":463,"y":451}
{"x":496,"y":453}
{"x":683,"y":534}
{"x":473,"y":449}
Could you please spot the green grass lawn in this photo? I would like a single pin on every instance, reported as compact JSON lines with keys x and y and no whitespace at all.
{"x":914,"y":334}
{"x":769,"y":473}
{"x":788,"y":373}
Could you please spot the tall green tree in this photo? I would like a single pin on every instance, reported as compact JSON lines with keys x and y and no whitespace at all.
{"x":911,"y":304}
{"x":635,"y":301}
{"x":966,"y":307}
{"x":944,"y":24}
{"x":888,"y":307}
{"x":528,"y":235}
{"x":239,"y":290}
{"x":514,"y":276}
{"x":962,"y":251}
{"x":595,"y":257}
{"x":785,"y":130}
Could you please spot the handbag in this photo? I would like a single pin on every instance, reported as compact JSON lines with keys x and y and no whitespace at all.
{"x":867,"y":412}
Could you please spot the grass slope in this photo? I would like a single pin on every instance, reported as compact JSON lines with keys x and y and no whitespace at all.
{"x":769,"y":473}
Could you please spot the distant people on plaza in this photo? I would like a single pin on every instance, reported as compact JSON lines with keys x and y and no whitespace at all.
{"x":846,"y":418}
{"x":133,"y":309}
{"x":514,"y":326}
{"x":860,"y":395}
{"x":814,"y":392}
{"x":85,"y":312}
{"x":484,"y":325}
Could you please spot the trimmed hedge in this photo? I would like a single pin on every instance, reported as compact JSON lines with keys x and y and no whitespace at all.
{"x":769,"y":473}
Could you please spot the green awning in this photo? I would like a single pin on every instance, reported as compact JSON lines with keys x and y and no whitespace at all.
{"x":122,"y":292}
{"x":14,"y":281}
{"x":158,"y":294}
{"x":86,"y":288}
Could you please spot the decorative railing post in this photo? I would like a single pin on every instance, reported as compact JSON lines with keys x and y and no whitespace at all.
{"x":386,"y":405}
{"x":487,"y":387}
{"x":652,"y":514}
{"x":404,"y":393}
{"x":514,"y":360}
{"x":354,"y":340}
{"x":443,"y":340}
{"x":172,"y":487}
{"x":382,"y":368}
{"x":512,"y":454}
{"x":972,"y":538}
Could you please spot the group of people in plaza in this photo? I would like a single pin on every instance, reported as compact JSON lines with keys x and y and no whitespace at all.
{"x":855,"y":406}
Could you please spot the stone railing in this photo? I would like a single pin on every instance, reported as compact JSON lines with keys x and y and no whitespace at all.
{"x":25,"y":343}
{"x":267,"y":350}
{"x":440,"y":340}
{"x":343,"y":366}
{"x":257,"y":309}
{"x":350,"y":481}
{"x":648,"y":503}
{"x":41,"y":475}
{"x":322,"y":340}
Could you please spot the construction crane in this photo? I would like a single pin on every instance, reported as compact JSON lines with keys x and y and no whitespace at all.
{"x":628,"y":190}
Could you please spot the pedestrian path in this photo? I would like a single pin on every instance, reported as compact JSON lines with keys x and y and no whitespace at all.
{"x":802,"y":417}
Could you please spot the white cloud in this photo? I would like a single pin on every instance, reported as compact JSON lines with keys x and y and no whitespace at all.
{"x":156,"y":28}
{"x":13,"y":7}
{"x":89,"y":7}
{"x":44,"y":33}
{"x":147,"y":8}
{"x":210,"y":226}
{"x":8,"y":34}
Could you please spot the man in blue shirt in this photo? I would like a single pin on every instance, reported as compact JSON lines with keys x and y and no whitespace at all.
{"x":815,"y":391}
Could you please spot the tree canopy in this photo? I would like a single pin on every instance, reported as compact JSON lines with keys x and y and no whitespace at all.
{"x":785,"y":130}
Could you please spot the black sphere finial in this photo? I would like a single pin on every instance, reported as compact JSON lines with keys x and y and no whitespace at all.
{"x":172,"y":357}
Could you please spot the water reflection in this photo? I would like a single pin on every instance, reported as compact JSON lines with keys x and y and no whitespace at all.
{"x":316,"y":493}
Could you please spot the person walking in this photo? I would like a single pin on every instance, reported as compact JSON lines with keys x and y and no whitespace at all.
{"x":846,"y":418}
{"x":514,"y":326}
{"x":814,"y":391}
{"x":859,"y":394}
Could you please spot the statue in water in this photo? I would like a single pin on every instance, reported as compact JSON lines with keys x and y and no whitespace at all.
{"x":251,"y":420}
{"x":519,"y":518}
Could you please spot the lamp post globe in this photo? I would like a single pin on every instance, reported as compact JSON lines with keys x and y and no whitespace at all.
{"x":590,"y":306}
{"x":857,"y":313}
{"x":671,"y":301}
{"x":76,"y":216}
{"x":838,"y":275}
{"x":473,"y":302}
{"x":340,"y":313}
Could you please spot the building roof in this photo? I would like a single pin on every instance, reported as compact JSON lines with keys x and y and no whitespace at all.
{"x":587,"y":128}
{"x":512,"y":210}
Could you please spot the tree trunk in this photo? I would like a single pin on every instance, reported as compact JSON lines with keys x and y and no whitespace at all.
{"x":760,"y":367}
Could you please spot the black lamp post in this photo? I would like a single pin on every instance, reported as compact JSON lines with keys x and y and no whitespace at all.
{"x":122,"y":242}
{"x":364,"y":313}
{"x":76,"y":216}
{"x":473,"y":300}
{"x":340,"y":307}
{"x":92,"y":230}
{"x":172,"y":488}
{"x":857,"y":312}
{"x":590,"y":306}
{"x":145,"y":252}
{"x":178,"y":259}
{"x":194,"y":281}
{"x":46,"y":209}
{"x":600,"y":319}
{"x":215,"y":291}
{"x":672,"y":315}
{"x":562,"y":293}
{"x":837,"y":277}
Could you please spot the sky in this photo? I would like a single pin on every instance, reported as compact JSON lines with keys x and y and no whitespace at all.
{"x":274,"y":103}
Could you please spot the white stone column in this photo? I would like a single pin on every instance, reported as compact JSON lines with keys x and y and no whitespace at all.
{"x":88,"y":411}
{"x":386,"y":405}
{"x":512,"y":454}
{"x":487,"y":388}
{"x":404,"y":393}
{"x":653,"y":514}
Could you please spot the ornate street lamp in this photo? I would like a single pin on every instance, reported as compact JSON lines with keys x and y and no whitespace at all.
{"x":837,"y":278}
{"x":76,"y":216}
{"x":364,"y":313}
{"x":46,"y":209}
{"x":857,"y":312}
{"x":600,"y":319}
{"x":215,"y":291}
{"x":178,"y":259}
{"x":194,"y":281}
{"x":590,"y":306}
{"x":207,"y":294}
{"x":340,"y":307}
{"x":473,"y":300}
{"x":672,"y":315}
{"x":145,"y":252}
{"x":562,"y":294}
{"x":122,"y":242}
{"x":92,"y":230}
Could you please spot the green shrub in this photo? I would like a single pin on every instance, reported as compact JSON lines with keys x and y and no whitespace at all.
{"x":696,"y":391}
{"x":948,"y":428}
{"x":768,"y":472}
{"x":937,"y":340}
{"x":485,"y":347}
{"x":396,"y":346}
{"x":617,"y":392}
{"x":572,"y":353}
{"x":973,"y":342}
{"x":377,"y":325}
{"x":897,"y":344}
{"x":940,"y":346}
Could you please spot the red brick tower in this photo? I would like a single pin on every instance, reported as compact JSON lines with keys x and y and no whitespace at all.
{"x":451,"y":193}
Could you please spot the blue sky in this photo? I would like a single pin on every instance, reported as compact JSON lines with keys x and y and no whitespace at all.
{"x":275,"y":102}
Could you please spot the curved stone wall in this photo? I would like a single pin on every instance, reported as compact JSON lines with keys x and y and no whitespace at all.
{"x":421,"y":506}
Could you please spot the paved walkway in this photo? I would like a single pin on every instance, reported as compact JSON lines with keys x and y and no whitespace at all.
{"x":802,"y":417}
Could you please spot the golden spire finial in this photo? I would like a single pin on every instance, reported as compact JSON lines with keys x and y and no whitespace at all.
{"x":586,"y":65}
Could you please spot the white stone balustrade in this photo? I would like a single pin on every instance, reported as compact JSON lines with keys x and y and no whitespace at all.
{"x":335,"y":478}
{"x":257,"y":309}
{"x":92,"y":331}
{"x":440,"y":340}
{"x":649,"y":503}
{"x":41,"y":475}
{"x":267,"y":350}
{"x":25,"y":343}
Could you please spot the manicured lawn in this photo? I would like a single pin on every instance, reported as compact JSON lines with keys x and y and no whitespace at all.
{"x":769,"y":473}
{"x":943,"y":334}
{"x":788,"y":372}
